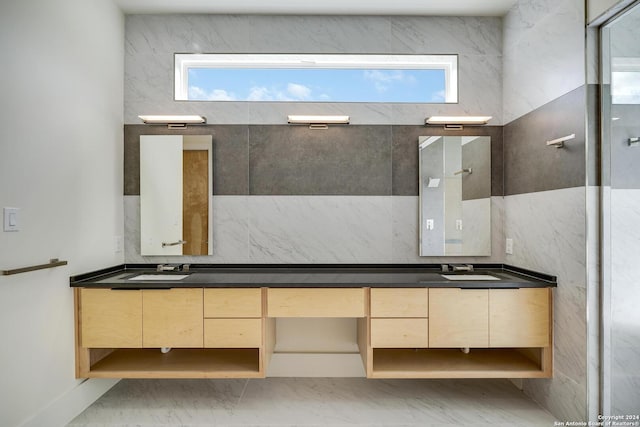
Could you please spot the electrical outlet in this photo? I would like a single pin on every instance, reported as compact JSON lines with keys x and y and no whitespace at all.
{"x":508,"y":247}
{"x":117,"y":244}
{"x":429,"y":224}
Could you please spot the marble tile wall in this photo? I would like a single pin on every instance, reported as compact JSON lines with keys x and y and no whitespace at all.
{"x":545,"y":96}
{"x":152,"y":40}
{"x":625,"y":297}
{"x":548,"y":230}
{"x":594,"y":300}
{"x":311,"y":229}
{"x":543,"y":54}
{"x":287,"y":194}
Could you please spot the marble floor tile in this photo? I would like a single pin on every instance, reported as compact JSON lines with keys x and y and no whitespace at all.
{"x":313,"y":402}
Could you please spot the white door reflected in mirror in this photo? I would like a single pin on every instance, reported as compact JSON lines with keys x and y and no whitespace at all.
{"x":175,"y":194}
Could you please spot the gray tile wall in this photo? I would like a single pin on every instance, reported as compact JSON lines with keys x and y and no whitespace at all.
{"x":476,"y":185}
{"x":531,"y":165}
{"x":294,"y":160}
{"x":625,"y":173}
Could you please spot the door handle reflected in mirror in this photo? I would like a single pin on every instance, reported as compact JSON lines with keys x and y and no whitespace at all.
{"x":465,"y":170}
{"x":179,"y":242}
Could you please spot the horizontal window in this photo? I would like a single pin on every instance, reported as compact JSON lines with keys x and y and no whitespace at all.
{"x":317,"y":78}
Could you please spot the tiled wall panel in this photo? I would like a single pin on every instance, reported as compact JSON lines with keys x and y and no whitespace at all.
{"x":531,"y":165}
{"x":152,"y":40}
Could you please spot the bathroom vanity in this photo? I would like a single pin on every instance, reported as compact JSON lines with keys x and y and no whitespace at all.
{"x":219,"y":321}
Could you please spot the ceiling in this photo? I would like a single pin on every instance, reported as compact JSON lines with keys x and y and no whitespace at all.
{"x":321,"y":7}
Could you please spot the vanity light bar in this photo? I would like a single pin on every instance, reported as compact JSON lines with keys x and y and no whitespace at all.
{"x":457,"y":120}
{"x":173,"y":119}
{"x":310,"y":120}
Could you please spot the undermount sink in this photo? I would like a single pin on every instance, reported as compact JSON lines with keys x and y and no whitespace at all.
{"x":162,"y":277}
{"x":469,"y":277}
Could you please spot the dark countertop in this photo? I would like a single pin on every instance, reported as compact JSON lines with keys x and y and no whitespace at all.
{"x":310,"y":276}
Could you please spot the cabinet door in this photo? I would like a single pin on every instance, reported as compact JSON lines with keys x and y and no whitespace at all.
{"x":399,"y":333}
{"x":172,"y":318}
{"x":110,"y":319}
{"x":519,"y":317}
{"x":399,"y":302}
{"x":458,"y":318}
{"x":232,"y":333}
{"x":233,"y":302}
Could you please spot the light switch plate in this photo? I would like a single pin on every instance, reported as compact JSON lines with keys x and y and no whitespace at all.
{"x":11,"y":219}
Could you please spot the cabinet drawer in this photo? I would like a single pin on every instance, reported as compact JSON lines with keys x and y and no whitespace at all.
{"x":232,"y":333}
{"x":399,"y":333}
{"x":519,"y":317}
{"x":110,"y":318}
{"x":172,"y":318}
{"x":233,"y":302}
{"x":399,"y":302}
{"x":321,"y":302}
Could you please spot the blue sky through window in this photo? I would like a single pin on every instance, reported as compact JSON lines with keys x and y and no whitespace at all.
{"x":317,"y":85}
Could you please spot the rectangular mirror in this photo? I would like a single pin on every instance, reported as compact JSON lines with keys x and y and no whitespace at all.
{"x":455,"y":195}
{"x":175,"y":194}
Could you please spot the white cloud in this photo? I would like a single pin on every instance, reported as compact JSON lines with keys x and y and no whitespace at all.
{"x":438,"y":96}
{"x":259,"y":93}
{"x":298,"y":91}
{"x":382,"y":80}
{"x":324,"y":97}
{"x":200,"y":94}
{"x":221,"y":95}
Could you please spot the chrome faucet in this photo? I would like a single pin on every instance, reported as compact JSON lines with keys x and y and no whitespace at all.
{"x":462,"y":267}
{"x":169,"y":267}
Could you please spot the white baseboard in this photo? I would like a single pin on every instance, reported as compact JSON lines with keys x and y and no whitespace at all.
{"x":316,"y":365}
{"x":65,"y":408}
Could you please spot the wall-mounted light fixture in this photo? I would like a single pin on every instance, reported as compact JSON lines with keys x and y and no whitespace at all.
{"x":634,"y":141}
{"x":457,"y":122}
{"x":173,"y":121}
{"x":559,"y":142}
{"x":317,"y":122}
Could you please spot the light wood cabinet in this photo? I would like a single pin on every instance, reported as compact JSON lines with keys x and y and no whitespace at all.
{"x":458,"y":318}
{"x":110,"y":318}
{"x":399,"y":333}
{"x":172,"y":318}
{"x":315,"y":302}
{"x":230,"y":332}
{"x":519,"y":317}
{"x":226,"y":302}
{"x":399,"y":302}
